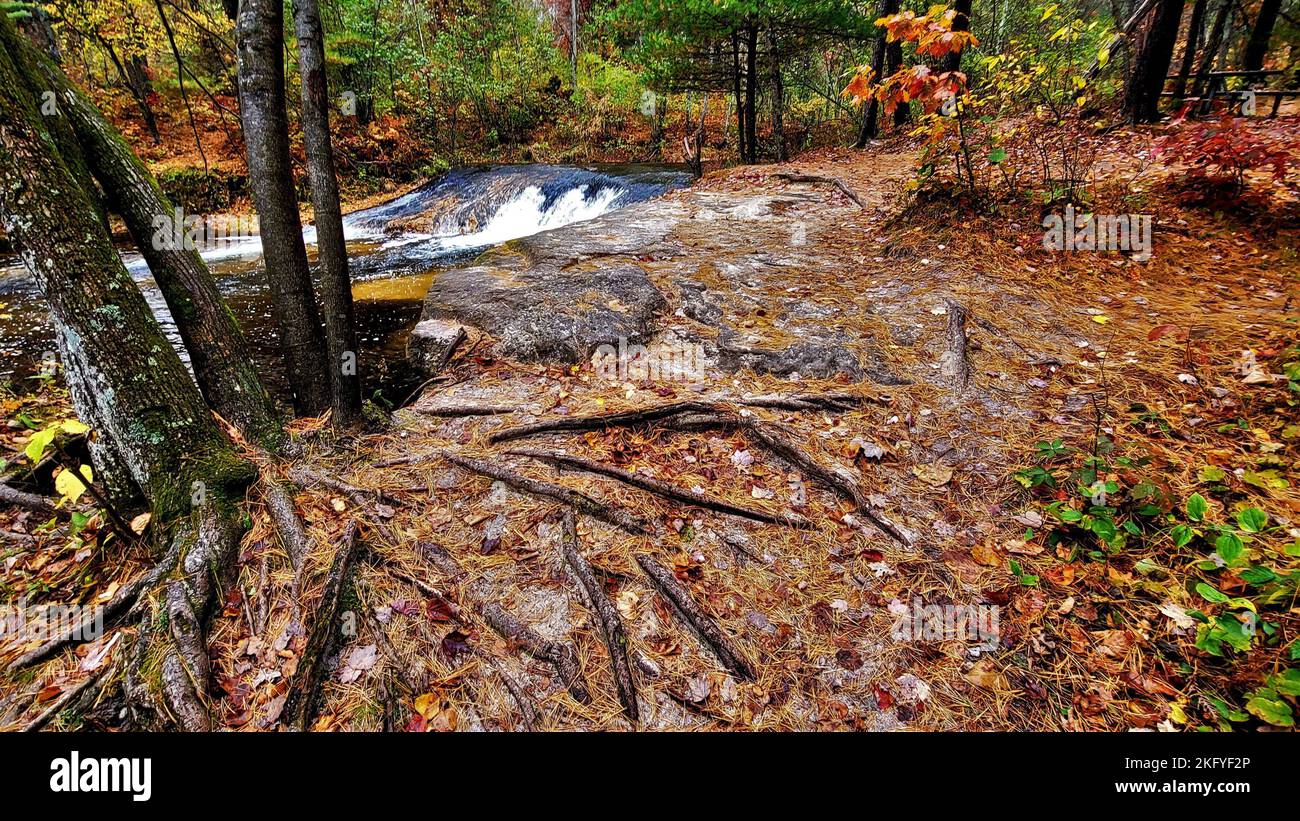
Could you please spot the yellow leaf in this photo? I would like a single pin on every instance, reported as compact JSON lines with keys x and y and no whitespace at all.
{"x":72,"y":427}
{"x":139,"y":523}
{"x":69,"y":485}
{"x":1101,"y":319}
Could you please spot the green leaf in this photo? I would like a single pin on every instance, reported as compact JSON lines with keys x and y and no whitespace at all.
{"x":1229,"y":548}
{"x":997,"y":155}
{"x":1252,"y":519}
{"x":1181,"y":534}
{"x":1288,"y":683}
{"x":1196,"y":507}
{"x":1210,"y":594}
{"x":1210,"y":473}
{"x":1267,"y":707}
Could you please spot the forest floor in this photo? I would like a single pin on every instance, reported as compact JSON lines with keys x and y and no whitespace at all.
{"x":462,"y":611}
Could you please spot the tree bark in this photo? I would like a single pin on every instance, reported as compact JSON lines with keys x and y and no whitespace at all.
{"x":216,"y":345}
{"x":1257,"y":45}
{"x":1194,"y":26}
{"x":751,"y":92}
{"x":259,"y":32}
{"x":871,"y":108}
{"x":960,"y":22}
{"x":1142,"y":96}
{"x":332,"y":254}
{"x":126,"y":379}
{"x":1210,"y":53}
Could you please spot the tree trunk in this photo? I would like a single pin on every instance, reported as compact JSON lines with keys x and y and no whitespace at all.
{"x":216,"y":345}
{"x":126,"y":379}
{"x":751,"y":93}
{"x":1211,"y":51}
{"x":893,"y":62}
{"x":1142,"y":96}
{"x":1257,"y":45}
{"x":335,"y":282}
{"x":960,"y":22}
{"x":871,"y":108}
{"x":260,"y":40}
{"x":736,"y":91}
{"x":1194,"y":27}
{"x":778,"y":98}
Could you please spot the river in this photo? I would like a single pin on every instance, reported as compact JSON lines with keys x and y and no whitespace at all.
{"x":395,"y":250}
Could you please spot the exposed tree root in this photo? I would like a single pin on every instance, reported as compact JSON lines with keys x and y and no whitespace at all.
{"x":663,"y":488}
{"x":814,"y":179}
{"x":560,"y":655}
{"x":304,"y":694}
{"x":83,"y":693}
{"x":360,"y":496}
{"x":466,"y":410}
{"x":954,"y":364}
{"x":607,"y":618}
{"x":702,"y":623}
{"x":288,"y":526}
{"x":607,"y":420}
{"x":537,"y":487}
{"x":527,"y":710}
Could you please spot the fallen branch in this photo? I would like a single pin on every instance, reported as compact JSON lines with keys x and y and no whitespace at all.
{"x":664,"y":489}
{"x":702,"y":623}
{"x":304,"y":694}
{"x":359,"y":495}
{"x":560,"y":655}
{"x":537,"y":487}
{"x":815,"y":180}
{"x":41,"y":504}
{"x":611,"y":627}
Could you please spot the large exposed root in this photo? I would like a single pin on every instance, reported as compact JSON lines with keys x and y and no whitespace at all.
{"x":664,"y":489}
{"x":699,"y":621}
{"x":607,"y":619}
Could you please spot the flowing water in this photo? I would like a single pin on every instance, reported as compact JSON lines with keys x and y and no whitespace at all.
{"x":395,"y":250}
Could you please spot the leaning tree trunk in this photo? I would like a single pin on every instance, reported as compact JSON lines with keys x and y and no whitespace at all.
{"x":335,"y":283}
{"x":259,"y":28}
{"x":1257,"y":45}
{"x":128,"y":383}
{"x":1210,"y":54}
{"x":1142,"y":96}
{"x":960,"y":22}
{"x":1194,"y":27}
{"x":217,"y":349}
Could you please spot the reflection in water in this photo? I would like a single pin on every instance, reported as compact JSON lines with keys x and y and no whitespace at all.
{"x":395,"y":250}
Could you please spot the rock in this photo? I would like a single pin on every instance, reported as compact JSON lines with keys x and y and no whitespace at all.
{"x":819,"y":360}
{"x":432,"y":343}
{"x":540,"y":302}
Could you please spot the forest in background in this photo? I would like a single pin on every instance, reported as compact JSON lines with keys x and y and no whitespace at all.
{"x":420,"y":86}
